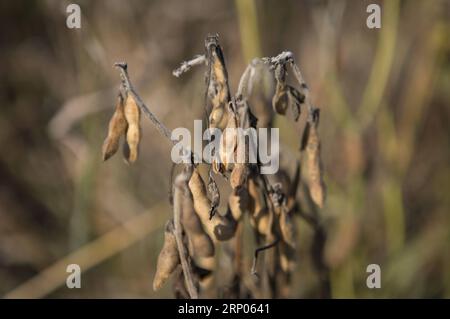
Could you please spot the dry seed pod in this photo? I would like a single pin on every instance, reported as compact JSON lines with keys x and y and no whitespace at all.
{"x":218,"y":227}
{"x":218,"y":118}
{"x":239,"y":202}
{"x":260,"y":218}
{"x":263,"y":90}
{"x":226,"y":229}
{"x":202,"y":244}
{"x":295,"y":100}
{"x":229,"y":140}
{"x":168,"y":258}
{"x":257,"y":198}
{"x":287,"y":228}
{"x":287,"y":257}
{"x":238,"y":176}
{"x":132,"y":115}
{"x":262,"y":223}
{"x":218,"y":92}
{"x":280,"y":101}
{"x":204,"y":276}
{"x":314,"y":164}
{"x":117,"y":127}
{"x":179,"y":286}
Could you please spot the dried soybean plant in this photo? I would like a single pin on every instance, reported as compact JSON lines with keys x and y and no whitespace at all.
{"x":268,"y":202}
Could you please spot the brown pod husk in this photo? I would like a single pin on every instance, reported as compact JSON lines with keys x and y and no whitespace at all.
{"x":168,"y":258}
{"x":314,"y":164}
{"x":117,"y":127}
{"x":202,"y":244}
{"x":133,"y":135}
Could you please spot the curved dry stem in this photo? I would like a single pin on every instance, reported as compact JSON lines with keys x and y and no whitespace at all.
{"x":187,"y":271}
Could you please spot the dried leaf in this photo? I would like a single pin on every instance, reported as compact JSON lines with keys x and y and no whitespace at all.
{"x":214,"y":193}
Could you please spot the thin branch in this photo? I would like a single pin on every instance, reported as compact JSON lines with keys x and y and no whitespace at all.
{"x":187,"y":65}
{"x":260,"y":249}
{"x":187,"y":271}
{"x":281,"y":58}
{"x":122,"y":66}
{"x":166,"y":132}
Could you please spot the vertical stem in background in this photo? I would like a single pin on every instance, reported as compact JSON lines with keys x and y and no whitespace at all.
{"x":249,"y":30}
{"x":370,"y":104}
{"x":397,"y":142}
{"x":384,"y":57}
{"x":80,"y":224}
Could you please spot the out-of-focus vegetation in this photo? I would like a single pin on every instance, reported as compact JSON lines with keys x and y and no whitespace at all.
{"x":384,"y":95}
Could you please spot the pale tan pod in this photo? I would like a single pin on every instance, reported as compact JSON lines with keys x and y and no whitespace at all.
{"x":263,"y":223}
{"x":218,"y":227}
{"x":260,"y":218}
{"x":218,"y":118}
{"x":257,"y":197}
{"x":218,"y":92}
{"x":228,"y":142}
{"x":116,"y":128}
{"x":202,"y":244}
{"x":316,"y":184}
{"x":168,"y":258}
{"x":132,"y":115}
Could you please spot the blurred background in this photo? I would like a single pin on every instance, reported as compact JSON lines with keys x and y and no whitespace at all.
{"x":384,"y":96}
